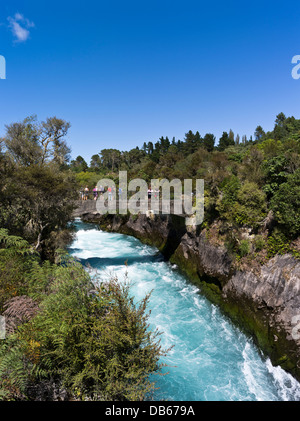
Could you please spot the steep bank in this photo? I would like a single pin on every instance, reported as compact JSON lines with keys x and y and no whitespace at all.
{"x":264,"y":301}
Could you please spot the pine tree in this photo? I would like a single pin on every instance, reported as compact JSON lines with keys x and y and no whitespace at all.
{"x":209,"y":142}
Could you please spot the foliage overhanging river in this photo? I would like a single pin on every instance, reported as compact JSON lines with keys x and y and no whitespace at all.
{"x":211,"y":359}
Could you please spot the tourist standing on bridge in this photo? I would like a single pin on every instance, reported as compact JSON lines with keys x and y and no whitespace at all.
{"x":95,"y":192}
{"x":86,"y":193}
{"x":109,"y":193}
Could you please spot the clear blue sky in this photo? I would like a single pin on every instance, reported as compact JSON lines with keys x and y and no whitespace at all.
{"x":125,"y":72}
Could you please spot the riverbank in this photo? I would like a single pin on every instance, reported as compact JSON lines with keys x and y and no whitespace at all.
{"x":263,"y":300}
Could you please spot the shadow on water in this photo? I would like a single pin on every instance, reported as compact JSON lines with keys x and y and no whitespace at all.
{"x":98,"y":262}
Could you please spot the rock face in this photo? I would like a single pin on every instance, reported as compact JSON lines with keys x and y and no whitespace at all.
{"x":85,"y":208}
{"x":264,"y":302}
{"x":271,"y":301}
{"x":209,"y":260}
{"x":277,"y":284}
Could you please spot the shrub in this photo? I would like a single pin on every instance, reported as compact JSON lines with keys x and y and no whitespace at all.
{"x":286,"y":204}
{"x":93,"y":342}
{"x":230,"y":188}
{"x":275,"y":173}
{"x":250,"y":208}
{"x":277,"y":244}
{"x":259,"y":242}
{"x":244,"y":248}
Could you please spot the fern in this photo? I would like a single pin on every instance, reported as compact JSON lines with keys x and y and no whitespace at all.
{"x":92,"y":341}
{"x":14,"y":374}
{"x":14,"y":243}
{"x":19,"y":310}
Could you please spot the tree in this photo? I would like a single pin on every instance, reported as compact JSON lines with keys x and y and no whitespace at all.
{"x":135,"y":157}
{"x":145,"y":148}
{"x":150,"y":148}
{"x":165,"y":144}
{"x":95,"y":164}
{"x":79,"y":164}
{"x":244,"y":139}
{"x":198,"y":140}
{"x":190,"y":143}
{"x":30,"y":142}
{"x":286,"y":204}
{"x":39,"y":205}
{"x":22,"y":142}
{"x":52,"y":132}
{"x":280,"y":130}
{"x":38,"y":197}
{"x":259,"y":134}
{"x":224,"y":141}
{"x":209,"y":142}
{"x":231,"y":137}
{"x":110,"y":158}
{"x":168,"y":161}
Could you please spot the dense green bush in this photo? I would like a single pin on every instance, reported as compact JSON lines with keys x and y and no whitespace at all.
{"x":242,"y":204}
{"x":277,"y":244}
{"x":250,"y":207}
{"x":244,"y":248}
{"x":275,"y":170}
{"x":229,"y":189}
{"x":93,"y":342}
{"x":286,"y":205}
{"x":259,"y":243}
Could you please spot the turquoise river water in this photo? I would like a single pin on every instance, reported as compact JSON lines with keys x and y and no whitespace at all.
{"x":212,"y":360}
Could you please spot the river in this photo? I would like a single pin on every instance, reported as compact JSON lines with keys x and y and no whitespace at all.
{"x":212,"y":360}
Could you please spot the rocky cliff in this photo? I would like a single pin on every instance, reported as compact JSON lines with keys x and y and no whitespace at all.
{"x":264,"y":300}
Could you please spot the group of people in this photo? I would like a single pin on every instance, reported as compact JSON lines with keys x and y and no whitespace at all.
{"x":98,"y":192}
{"x":153,"y":192}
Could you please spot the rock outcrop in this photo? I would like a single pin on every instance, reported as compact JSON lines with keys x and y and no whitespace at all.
{"x":268,"y":302}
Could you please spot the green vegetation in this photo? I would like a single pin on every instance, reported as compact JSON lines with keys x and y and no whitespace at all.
{"x":250,"y":184}
{"x":91,"y":342}
{"x":65,"y":337}
{"x":244,"y":248}
{"x":37,"y":190}
{"x":286,"y":204}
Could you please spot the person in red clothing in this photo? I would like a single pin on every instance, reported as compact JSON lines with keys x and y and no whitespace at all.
{"x":109,"y":193}
{"x":95,"y":192}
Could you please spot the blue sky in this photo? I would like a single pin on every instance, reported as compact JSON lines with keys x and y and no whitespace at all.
{"x":127,"y":72}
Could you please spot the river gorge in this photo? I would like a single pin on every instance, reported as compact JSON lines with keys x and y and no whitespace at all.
{"x":211,"y":359}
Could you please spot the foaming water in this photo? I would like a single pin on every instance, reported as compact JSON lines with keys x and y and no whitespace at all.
{"x":211,"y":359}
